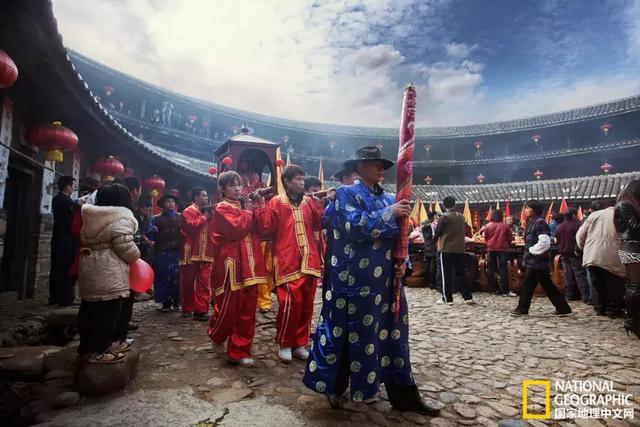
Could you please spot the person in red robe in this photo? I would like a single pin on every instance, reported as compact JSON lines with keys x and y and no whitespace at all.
{"x":292,"y":218}
{"x":196,"y":259}
{"x":239,"y":266}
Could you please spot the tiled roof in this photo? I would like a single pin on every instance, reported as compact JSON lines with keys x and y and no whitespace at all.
{"x":596,"y":111}
{"x":582,"y":188}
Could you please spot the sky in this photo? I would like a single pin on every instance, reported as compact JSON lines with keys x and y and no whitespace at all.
{"x":346,"y":62}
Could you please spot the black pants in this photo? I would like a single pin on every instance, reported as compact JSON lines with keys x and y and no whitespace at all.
{"x":126,"y":311}
{"x":454,"y":268}
{"x":430,"y":271}
{"x":532,"y":279}
{"x":97,"y":322}
{"x":608,"y":291}
{"x":499,"y":258}
{"x":61,"y":285}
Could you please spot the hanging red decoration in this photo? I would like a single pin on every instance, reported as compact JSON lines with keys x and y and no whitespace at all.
{"x":428,"y":147}
{"x":213,"y":170}
{"x":538,"y":174}
{"x":606,"y":126}
{"x":427,"y":180}
{"x":227,"y":161}
{"x":192,"y":118}
{"x":108,"y":168}
{"x":54,"y":138}
{"x":606,"y":167}
{"x":480,"y":178}
{"x":174,"y":192}
{"x":154,"y":184}
{"x":109,"y":90}
{"x":279,"y":163}
{"x":477,"y":144}
{"x":8,"y":70}
{"x":536,"y":138}
{"x":285,"y":139}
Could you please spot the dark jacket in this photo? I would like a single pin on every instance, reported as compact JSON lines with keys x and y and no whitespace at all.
{"x":429,"y":242}
{"x":168,"y":235}
{"x":536,"y":227}
{"x":63,"y":243}
{"x":451,"y":232}
{"x":498,"y":236}
{"x":566,"y":237}
{"x":627,"y":222}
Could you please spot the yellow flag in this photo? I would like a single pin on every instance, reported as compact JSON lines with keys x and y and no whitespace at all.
{"x":467,"y":214}
{"x":278,"y":182}
{"x":422,"y":212}
{"x":417,"y":212}
{"x":438,"y":209}
{"x":321,"y":175}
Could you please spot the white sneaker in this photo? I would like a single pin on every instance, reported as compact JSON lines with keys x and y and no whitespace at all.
{"x":470,"y":301}
{"x":301,"y":353}
{"x":513,"y":294}
{"x":245,"y":362}
{"x":285,"y":354}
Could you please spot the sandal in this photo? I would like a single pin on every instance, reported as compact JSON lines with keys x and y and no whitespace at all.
{"x":106,"y":358}
{"x":123,"y":346}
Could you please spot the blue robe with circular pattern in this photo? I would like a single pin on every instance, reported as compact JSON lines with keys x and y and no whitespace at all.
{"x":356,"y":320}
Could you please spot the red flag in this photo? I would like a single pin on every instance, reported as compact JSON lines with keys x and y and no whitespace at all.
{"x":563,"y":206}
{"x":404,"y":179}
{"x":580,"y":215}
{"x":523,"y":215}
{"x":489,"y":214}
{"x":507,"y":209}
{"x":549,"y":215}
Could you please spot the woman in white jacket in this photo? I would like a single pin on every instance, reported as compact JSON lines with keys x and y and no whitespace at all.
{"x":107,"y":235}
{"x":598,"y":239}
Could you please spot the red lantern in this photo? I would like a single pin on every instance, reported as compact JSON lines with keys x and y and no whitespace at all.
{"x":8,"y":70}
{"x":227,"y":161}
{"x":108,"y":168}
{"x":478,"y":144}
{"x":480,"y":178}
{"x":285,"y":139}
{"x":279,"y":163}
{"x":538,"y":174}
{"x":606,"y":167}
{"x":174,"y":192}
{"x":536,"y":138}
{"x":192,"y":118}
{"x":605,"y":127}
{"x":427,"y":147}
{"x":212,"y":170}
{"x":109,"y":90}
{"x":54,"y":138}
{"x":427,"y":180}
{"x":154,"y":184}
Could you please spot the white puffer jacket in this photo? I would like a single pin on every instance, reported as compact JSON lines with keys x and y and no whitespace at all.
{"x":599,"y":240}
{"x":107,"y":237}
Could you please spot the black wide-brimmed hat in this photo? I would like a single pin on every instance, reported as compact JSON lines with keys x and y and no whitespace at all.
{"x":367,"y":153}
{"x":341,"y":173}
{"x":161,"y":200}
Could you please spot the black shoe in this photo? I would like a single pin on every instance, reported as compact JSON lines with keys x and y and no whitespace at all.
{"x":518,"y":313}
{"x":202,"y":317}
{"x":166,"y":307}
{"x":601,"y":313}
{"x":562,"y":313}
{"x":407,"y":398}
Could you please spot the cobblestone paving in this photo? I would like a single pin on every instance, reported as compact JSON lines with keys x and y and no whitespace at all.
{"x":471,"y":358}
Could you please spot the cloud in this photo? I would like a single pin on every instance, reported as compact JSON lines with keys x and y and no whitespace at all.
{"x":338,"y":61}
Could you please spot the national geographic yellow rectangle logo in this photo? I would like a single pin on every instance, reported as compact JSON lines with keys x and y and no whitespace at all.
{"x":547,"y":399}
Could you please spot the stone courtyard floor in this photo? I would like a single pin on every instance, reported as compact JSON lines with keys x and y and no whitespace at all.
{"x":471,"y":358}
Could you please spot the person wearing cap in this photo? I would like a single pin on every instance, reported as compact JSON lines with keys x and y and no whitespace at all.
{"x":164,"y":235}
{"x":358,"y":343}
{"x":346,"y":176}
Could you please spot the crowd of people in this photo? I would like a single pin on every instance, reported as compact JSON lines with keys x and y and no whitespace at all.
{"x":226,"y":259}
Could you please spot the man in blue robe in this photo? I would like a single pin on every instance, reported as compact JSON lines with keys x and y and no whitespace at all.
{"x":357,"y":342}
